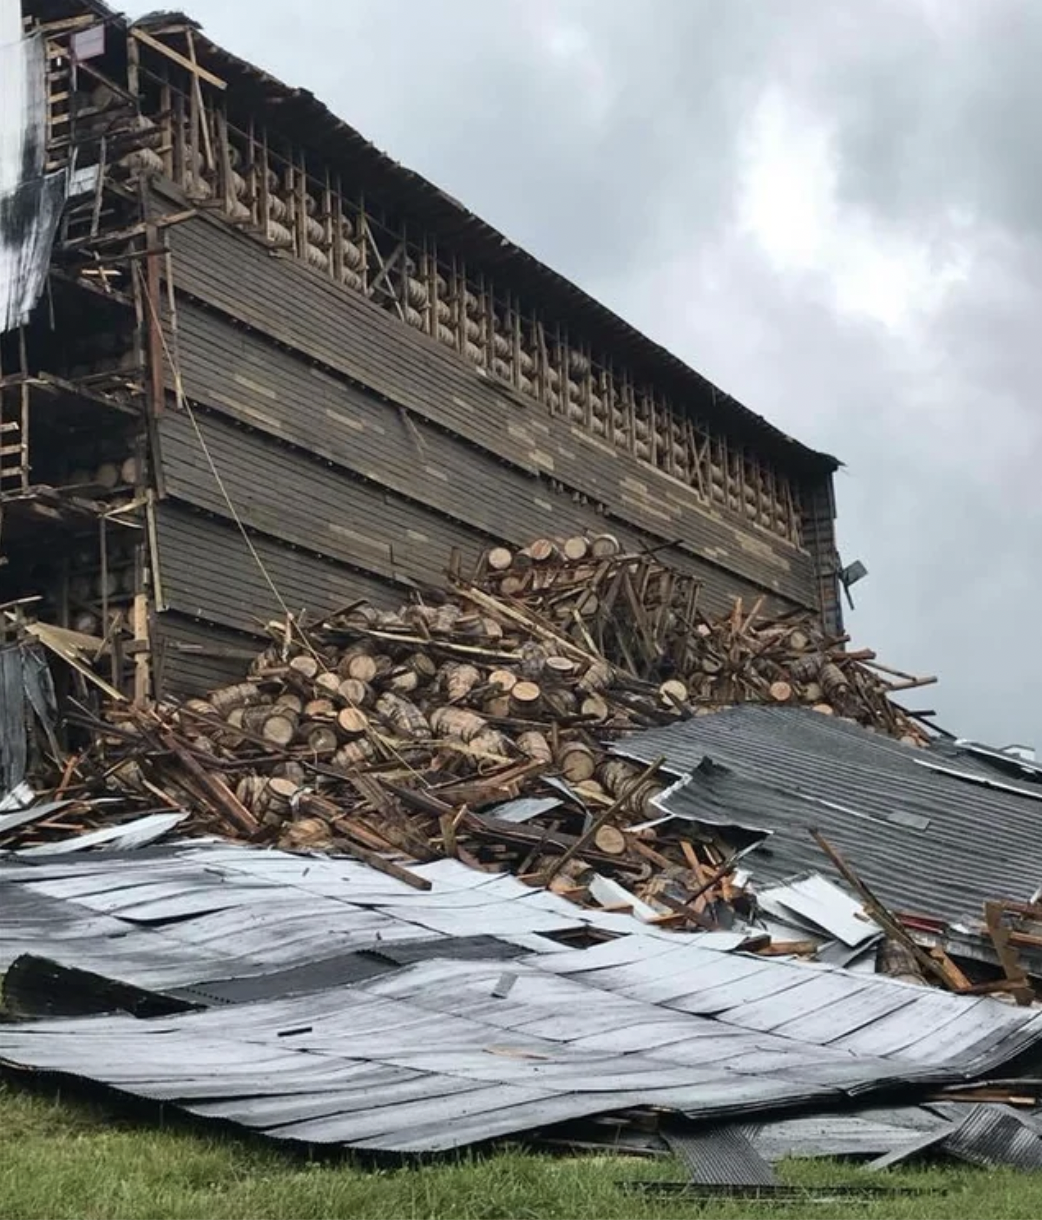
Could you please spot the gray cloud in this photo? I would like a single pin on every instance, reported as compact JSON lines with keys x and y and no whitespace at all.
{"x":609,"y":138}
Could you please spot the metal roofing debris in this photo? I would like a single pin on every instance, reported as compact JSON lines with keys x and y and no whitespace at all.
{"x":453,"y":1046}
{"x":126,"y":837}
{"x":21,"y":796}
{"x":32,"y":813}
{"x":814,"y":903}
{"x":786,"y":769}
{"x":996,"y":1135}
{"x":719,"y":1157}
{"x":870,"y":1131}
{"x":524,"y":808}
{"x":905,"y":1152}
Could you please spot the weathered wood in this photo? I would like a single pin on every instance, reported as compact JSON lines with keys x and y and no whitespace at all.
{"x":352,"y":721}
{"x":673,"y":692}
{"x":305,"y":665}
{"x":459,"y":680}
{"x":320,"y":739}
{"x":228,"y":698}
{"x":575,"y":548}
{"x":525,"y":694}
{"x":503,"y":679}
{"x":362,"y":667}
{"x":535,"y":746}
{"x":356,"y":692}
{"x":576,"y":761}
{"x":611,"y":840}
{"x":458,"y":722}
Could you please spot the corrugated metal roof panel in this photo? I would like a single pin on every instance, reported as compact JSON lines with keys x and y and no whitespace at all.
{"x":818,"y":904}
{"x":996,"y":1135}
{"x":440,"y":1053}
{"x":720,"y":1157}
{"x":785,"y":770}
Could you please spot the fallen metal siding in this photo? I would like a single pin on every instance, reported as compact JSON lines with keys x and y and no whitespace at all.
{"x":653,"y":1018}
{"x":342,"y":331}
{"x":723,"y":1156}
{"x":790,"y":769}
{"x":996,"y":1135}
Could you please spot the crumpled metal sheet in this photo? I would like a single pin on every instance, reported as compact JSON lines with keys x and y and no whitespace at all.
{"x":128,"y":837}
{"x":720,"y":1156}
{"x":30,"y":201}
{"x":13,"y":741}
{"x":812,"y":902}
{"x":26,"y":688}
{"x":445,"y":1051}
{"x":993,"y":1135}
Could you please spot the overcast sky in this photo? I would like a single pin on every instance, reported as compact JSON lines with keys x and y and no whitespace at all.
{"x":832,"y":208}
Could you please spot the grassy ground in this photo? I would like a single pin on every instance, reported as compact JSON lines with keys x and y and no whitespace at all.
{"x":60,"y":1158}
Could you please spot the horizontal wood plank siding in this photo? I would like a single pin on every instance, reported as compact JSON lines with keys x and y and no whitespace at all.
{"x":317,"y":321}
{"x":192,"y":658}
{"x":207,"y":572}
{"x":305,"y":502}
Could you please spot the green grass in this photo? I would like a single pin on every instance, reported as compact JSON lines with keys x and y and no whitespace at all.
{"x":63,"y":1158}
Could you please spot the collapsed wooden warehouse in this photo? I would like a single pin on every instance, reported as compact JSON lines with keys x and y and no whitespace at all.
{"x":266,"y":368}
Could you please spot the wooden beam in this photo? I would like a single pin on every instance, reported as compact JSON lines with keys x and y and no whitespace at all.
{"x":196,"y":69}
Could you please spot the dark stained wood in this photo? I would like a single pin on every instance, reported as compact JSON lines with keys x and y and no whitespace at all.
{"x":345,"y":333}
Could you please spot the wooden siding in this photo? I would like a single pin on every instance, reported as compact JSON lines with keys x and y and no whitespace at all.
{"x":295,"y":497}
{"x":192,"y":658}
{"x":350,"y":337}
{"x":207,"y":572}
{"x":237,"y":374}
{"x":358,"y":455}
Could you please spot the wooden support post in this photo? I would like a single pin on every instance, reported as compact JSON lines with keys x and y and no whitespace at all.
{"x":363,"y":231}
{"x":23,"y":458}
{"x":300,"y":176}
{"x":542,"y":364}
{"x":142,"y":651}
{"x":327,"y":225}
{"x":226,"y":187}
{"x":134,"y":65}
{"x":337,"y":252}
{"x":181,"y":151}
{"x":517,"y":372}
{"x":166,"y":105}
{"x":153,"y":321}
{"x":103,"y":557}
{"x":403,"y":275}
{"x":264,"y":177}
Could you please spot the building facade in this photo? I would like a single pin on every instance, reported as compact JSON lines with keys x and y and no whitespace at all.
{"x":251,"y":364}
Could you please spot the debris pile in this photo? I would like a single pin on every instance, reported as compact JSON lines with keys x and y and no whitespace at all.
{"x":478,"y":723}
{"x":643,"y":618}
